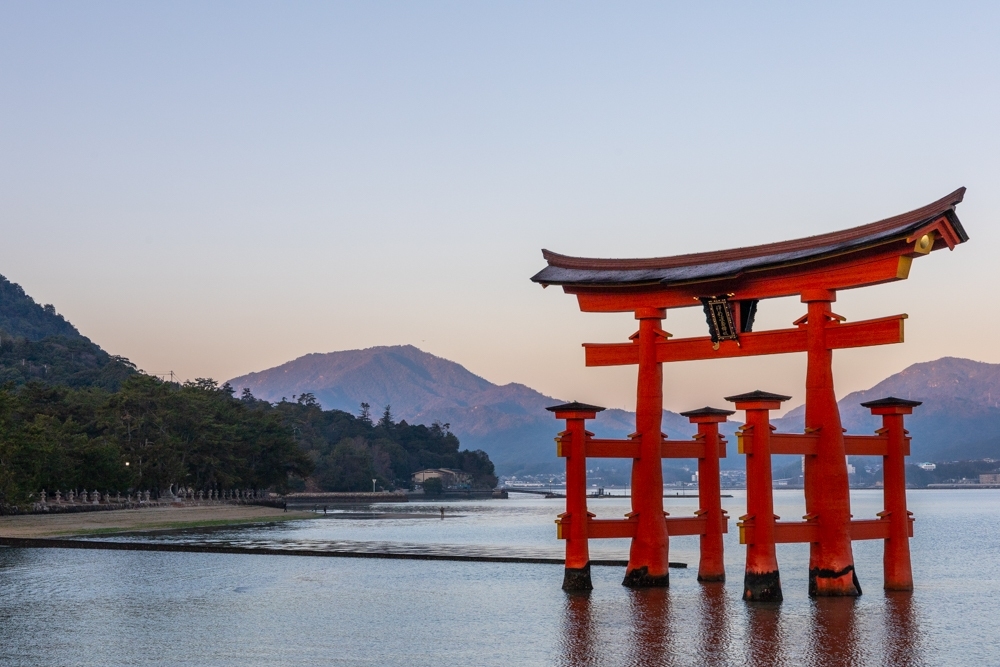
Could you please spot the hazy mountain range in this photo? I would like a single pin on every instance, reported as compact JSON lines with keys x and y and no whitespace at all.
{"x":959,"y":418}
{"x":958,"y":421}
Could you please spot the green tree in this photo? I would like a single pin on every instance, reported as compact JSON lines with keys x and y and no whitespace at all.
{"x":433,"y":486}
{"x":147,"y":435}
{"x":385,"y":422}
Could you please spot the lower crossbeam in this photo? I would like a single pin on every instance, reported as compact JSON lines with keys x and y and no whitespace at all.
{"x":787,"y":532}
{"x":626,"y":528}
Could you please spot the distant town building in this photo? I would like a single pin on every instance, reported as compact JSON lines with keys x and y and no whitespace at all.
{"x":448,"y":476}
{"x":927,"y":466}
{"x":990,"y":478}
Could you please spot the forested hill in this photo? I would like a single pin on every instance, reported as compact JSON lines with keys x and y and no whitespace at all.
{"x":349,"y":452}
{"x":21,"y":317}
{"x":74,"y":417}
{"x":38,"y":344}
{"x":73,"y":362}
{"x":151,"y":435}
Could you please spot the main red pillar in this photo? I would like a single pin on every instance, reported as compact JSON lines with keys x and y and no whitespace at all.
{"x":827,"y":490}
{"x":896,"y":558}
{"x":648,"y":561}
{"x":711,"y":566}
{"x":761,"y":581}
{"x":572,"y":524}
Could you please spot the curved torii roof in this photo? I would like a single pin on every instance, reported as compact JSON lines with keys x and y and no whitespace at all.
{"x":727,"y":264}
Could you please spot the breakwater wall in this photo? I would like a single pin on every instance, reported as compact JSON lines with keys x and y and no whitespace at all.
{"x":47,"y":543}
{"x":329,"y":498}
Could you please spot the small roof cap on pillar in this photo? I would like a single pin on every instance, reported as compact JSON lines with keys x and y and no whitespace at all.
{"x":706,"y":411}
{"x":891,"y":402}
{"x":757,"y":395}
{"x":575,"y":406}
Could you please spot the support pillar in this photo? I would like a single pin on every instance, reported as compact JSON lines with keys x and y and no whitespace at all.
{"x":711,"y":566}
{"x":572,"y":444}
{"x":761,"y":581}
{"x":827,"y":490}
{"x":648,"y":560}
{"x":896,"y":558}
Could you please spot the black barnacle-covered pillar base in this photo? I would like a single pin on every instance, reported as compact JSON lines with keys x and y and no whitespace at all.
{"x":816,"y":574}
{"x":640,"y":578}
{"x":577,"y":579}
{"x":762,"y":586}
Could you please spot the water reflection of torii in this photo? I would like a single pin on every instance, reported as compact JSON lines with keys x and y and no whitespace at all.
{"x":655,"y":630}
{"x":728,"y":285}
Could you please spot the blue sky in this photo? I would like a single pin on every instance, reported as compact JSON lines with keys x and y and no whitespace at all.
{"x":217,"y":188}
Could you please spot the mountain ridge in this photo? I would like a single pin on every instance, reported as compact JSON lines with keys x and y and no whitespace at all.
{"x":960,"y":415}
{"x":507,"y":421}
{"x":39,"y":345}
{"x":22,"y":317}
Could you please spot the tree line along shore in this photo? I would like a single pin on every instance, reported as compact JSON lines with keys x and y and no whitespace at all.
{"x":74,"y":418}
{"x":150,"y":434}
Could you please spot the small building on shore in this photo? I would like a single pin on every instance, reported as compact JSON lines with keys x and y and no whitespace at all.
{"x":449,"y":477}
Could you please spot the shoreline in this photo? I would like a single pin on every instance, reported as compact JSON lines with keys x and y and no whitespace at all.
{"x":140,"y":520}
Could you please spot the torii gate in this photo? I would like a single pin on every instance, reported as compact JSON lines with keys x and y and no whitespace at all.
{"x":728,"y":285}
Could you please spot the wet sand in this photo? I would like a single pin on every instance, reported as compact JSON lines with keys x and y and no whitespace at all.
{"x":153,"y":518}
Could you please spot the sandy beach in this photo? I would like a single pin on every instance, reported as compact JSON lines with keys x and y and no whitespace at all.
{"x":153,"y":518}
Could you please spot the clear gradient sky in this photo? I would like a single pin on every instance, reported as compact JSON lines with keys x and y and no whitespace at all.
{"x":215,"y":188}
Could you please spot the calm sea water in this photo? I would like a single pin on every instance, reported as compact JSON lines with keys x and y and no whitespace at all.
{"x":70,"y":607}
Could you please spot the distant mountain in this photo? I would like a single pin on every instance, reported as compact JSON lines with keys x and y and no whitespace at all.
{"x":959,"y":418}
{"x":509,"y":422}
{"x":38,"y":344}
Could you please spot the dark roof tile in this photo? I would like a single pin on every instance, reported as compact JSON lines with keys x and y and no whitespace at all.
{"x":575,"y":406}
{"x":565,"y":270}
{"x":707,"y":411}
{"x":891,"y":401}
{"x":757,"y":395}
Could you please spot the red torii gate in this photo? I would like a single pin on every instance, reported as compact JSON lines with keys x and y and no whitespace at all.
{"x":729,"y":284}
